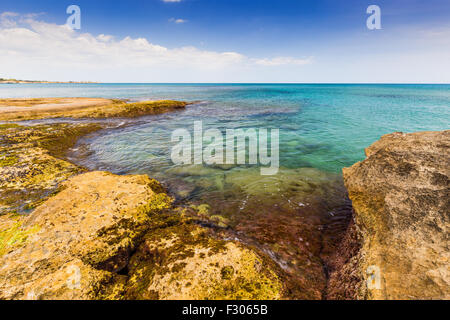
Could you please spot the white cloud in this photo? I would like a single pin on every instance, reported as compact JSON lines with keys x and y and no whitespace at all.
{"x":171,"y":1}
{"x":280,"y":61}
{"x":440,"y":36}
{"x":6,"y":21}
{"x":34,"y":49}
{"x":177,"y":21}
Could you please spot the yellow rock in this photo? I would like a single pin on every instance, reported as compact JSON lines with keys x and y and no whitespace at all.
{"x":184,"y":262}
{"x":400,"y":196}
{"x":83,"y":237}
{"x":88,"y":231}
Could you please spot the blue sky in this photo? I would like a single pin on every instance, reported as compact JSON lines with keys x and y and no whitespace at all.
{"x":273,"y":41}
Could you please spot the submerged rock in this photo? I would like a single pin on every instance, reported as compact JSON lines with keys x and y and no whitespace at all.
{"x":294,"y":217}
{"x":400,"y":197}
{"x":77,"y":232}
{"x":182,"y":261}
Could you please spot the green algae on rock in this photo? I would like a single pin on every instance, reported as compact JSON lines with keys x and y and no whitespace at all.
{"x":91,"y":228}
{"x":14,"y":235}
{"x":32,"y":162}
{"x":296,"y":218}
{"x":104,"y":108}
{"x":182,"y":261}
{"x":7,"y":160}
{"x":101,"y":224}
{"x":131,"y":110}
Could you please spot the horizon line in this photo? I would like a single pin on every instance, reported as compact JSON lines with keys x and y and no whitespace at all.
{"x":294,"y":83}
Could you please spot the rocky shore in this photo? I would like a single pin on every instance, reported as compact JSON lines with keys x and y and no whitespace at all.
{"x":398,"y":246}
{"x":12,"y":81}
{"x":45,"y":108}
{"x":119,"y":237}
{"x":66,"y":233}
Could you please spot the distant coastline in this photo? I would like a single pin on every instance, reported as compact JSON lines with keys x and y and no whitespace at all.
{"x":4,"y":80}
{"x":8,"y":81}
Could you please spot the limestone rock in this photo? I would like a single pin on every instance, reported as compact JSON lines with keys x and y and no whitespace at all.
{"x":105,"y":236}
{"x":82,"y":237}
{"x":400,"y":196}
{"x":32,"y":162}
{"x":180,"y":260}
{"x":45,"y":108}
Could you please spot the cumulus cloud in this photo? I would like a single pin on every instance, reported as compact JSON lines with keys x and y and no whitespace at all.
{"x":35,"y":49}
{"x":6,"y":21}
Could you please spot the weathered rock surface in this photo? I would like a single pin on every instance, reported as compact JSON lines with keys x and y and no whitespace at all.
{"x":43,"y":108}
{"x":85,"y":234}
{"x":400,"y":196}
{"x":180,"y":260}
{"x":78,"y":244}
{"x":32,"y":163}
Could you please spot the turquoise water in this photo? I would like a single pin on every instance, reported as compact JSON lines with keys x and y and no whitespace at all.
{"x":321,"y":126}
{"x":296,"y":217}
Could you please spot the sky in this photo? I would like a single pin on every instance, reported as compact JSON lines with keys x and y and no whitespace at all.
{"x":300,"y":41}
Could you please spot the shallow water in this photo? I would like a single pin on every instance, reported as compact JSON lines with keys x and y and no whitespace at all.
{"x":325,"y":127}
{"x":322,"y":126}
{"x":299,"y":214}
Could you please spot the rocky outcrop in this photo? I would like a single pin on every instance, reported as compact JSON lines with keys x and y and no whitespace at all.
{"x":400,"y":196}
{"x":97,"y":235}
{"x":32,"y":163}
{"x":79,"y":243}
{"x":83,"y":237}
{"x":180,"y":260}
{"x":66,"y":234}
{"x":44,"y":108}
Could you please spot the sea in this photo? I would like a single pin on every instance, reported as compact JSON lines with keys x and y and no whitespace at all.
{"x":322,"y":129}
